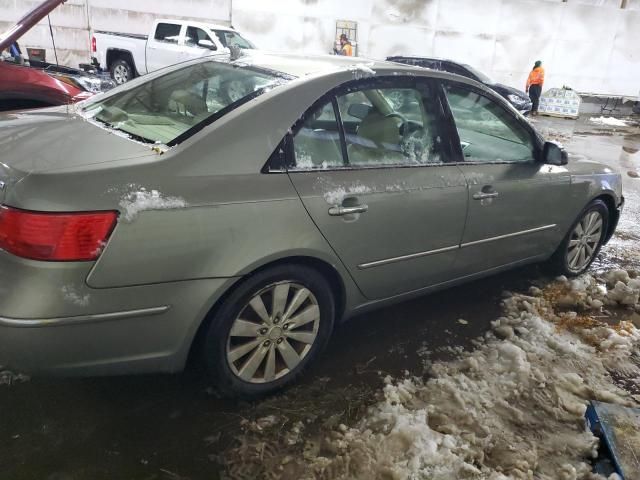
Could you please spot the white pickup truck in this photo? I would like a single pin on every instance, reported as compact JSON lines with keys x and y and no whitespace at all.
{"x":128,"y":55}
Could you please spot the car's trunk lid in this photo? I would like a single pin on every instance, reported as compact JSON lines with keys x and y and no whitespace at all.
{"x":52,"y":139}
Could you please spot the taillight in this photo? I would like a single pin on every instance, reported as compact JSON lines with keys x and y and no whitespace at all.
{"x":93,"y":44}
{"x":76,"y":236}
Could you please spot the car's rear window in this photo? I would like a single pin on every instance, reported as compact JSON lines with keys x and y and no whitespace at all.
{"x":167,"y":108}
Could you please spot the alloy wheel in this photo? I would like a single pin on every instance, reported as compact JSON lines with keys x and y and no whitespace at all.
{"x":273,"y":333}
{"x":584,"y":241}
{"x":120,"y":74}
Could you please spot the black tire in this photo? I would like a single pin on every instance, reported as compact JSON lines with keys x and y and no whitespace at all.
{"x":559,"y":262}
{"x":121,"y":71}
{"x":217,"y":337}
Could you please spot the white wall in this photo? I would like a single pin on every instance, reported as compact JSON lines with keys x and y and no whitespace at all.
{"x":590,"y":45}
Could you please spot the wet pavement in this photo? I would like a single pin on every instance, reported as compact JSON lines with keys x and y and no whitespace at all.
{"x":173,"y":427}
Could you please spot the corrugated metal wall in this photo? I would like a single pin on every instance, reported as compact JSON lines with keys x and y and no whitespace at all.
{"x":591,"y":45}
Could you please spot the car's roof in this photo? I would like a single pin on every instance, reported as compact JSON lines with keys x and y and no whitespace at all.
{"x":302,"y":65}
{"x":423,"y":57}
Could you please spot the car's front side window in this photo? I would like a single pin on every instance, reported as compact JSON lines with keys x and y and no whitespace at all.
{"x":195,"y":35}
{"x":488,"y":132}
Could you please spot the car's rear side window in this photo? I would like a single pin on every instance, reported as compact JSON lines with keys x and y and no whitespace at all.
{"x":167,"y":32}
{"x":383,"y":126}
{"x":168,"y":107}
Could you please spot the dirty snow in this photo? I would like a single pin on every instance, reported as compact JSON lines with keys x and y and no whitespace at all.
{"x":338,"y":194}
{"x":513,"y":408}
{"x":135,"y":202}
{"x":8,"y":377}
{"x":361,"y":70}
{"x":71,"y":295}
{"x":610,"y":121}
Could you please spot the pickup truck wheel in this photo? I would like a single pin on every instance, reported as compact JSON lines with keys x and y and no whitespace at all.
{"x":121,"y":71}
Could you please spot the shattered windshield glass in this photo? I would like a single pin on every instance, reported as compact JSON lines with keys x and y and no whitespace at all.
{"x":166,"y":107}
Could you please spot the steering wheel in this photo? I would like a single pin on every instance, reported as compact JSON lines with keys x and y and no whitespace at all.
{"x":403,"y":121}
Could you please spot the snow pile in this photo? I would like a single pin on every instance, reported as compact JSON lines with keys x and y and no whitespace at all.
{"x":513,"y":408}
{"x":8,"y":377}
{"x":610,"y":121}
{"x":135,"y":202}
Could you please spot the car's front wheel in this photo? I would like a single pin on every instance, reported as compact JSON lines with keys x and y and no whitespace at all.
{"x":268,"y":330}
{"x":584,"y":240}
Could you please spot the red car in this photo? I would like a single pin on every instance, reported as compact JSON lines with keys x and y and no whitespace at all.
{"x":41,"y":84}
{"x":29,"y":87}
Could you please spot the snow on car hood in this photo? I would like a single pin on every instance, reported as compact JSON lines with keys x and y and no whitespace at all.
{"x":56,"y":138}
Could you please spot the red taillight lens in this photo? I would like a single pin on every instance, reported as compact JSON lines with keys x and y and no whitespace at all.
{"x":93,"y":44}
{"x":55,"y":236}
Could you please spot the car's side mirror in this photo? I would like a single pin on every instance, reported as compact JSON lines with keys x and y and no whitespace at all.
{"x":553,"y":154}
{"x":206,"y":44}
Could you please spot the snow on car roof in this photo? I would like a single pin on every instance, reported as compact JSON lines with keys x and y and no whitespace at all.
{"x":302,"y":65}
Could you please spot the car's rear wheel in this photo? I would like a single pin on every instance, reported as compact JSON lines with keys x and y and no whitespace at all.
{"x":121,"y":71}
{"x":268,"y":330}
{"x":584,"y":240}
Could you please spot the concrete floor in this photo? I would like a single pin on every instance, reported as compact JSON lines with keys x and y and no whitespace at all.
{"x":172,"y":427}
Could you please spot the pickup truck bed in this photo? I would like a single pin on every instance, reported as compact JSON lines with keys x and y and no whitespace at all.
{"x":127,"y":35}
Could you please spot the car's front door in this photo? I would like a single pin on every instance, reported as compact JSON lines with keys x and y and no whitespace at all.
{"x":516,"y":203}
{"x":197,"y":43}
{"x":163,"y":48}
{"x":370,"y":165}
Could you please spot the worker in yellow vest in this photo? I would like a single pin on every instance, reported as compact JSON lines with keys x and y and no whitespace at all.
{"x":534,"y":86}
{"x":346,"y":48}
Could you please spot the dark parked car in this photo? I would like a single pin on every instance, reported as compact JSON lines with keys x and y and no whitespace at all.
{"x":519,"y":99}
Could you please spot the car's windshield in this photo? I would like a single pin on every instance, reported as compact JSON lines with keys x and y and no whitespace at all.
{"x":166,"y":107}
{"x":481,"y":76}
{"x":228,"y":39}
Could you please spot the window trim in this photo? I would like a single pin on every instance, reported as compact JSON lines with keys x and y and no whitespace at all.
{"x":502,"y":103}
{"x":351,"y":86}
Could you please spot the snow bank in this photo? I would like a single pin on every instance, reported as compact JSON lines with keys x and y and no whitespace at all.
{"x":611,"y":121}
{"x":513,"y":408}
{"x":135,"y":202}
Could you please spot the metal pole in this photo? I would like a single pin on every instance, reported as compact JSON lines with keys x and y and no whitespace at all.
{"x":28,"y":21}
{"x":624,"y":4}
{"x":231,"y":12}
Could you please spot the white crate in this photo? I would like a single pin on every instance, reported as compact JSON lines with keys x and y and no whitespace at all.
{"x":560,"y":102}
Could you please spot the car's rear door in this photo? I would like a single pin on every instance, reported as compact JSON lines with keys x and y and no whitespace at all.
{"x":163,"y":47}
{"x":516,"y":203}
{"x":370,"y":164}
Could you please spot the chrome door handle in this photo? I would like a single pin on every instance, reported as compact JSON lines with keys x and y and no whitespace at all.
{"x":339,"y":210}
{"x":482,"y":195}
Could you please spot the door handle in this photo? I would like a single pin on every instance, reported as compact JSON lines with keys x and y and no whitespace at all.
{"x":483,"y":195}
{"x":340,"y":210}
